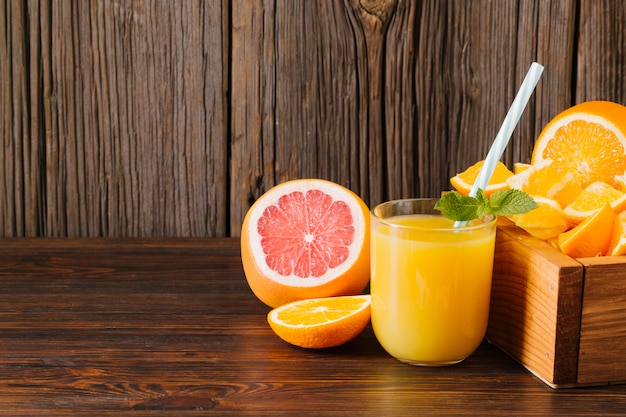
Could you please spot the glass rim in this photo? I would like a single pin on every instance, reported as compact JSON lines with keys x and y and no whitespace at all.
{"x":485,"y":222}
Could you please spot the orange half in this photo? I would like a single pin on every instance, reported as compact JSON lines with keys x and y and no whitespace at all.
{"x":588,"y":139}
{"x":321,"y":322}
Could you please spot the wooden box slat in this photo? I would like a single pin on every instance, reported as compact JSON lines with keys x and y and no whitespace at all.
{"x":602,"y":348}
{"x":564,"y":319}
{"x":535,"y":307}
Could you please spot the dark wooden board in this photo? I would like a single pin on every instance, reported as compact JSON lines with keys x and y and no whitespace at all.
{"x":116,"y":327}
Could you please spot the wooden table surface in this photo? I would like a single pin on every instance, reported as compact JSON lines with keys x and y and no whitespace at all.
{"x":100,"y":327}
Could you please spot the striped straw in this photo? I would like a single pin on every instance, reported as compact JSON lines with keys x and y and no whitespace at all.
{"x":506,"y":130}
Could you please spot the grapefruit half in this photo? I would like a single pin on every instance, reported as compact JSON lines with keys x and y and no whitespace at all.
{"x":304,"y":239}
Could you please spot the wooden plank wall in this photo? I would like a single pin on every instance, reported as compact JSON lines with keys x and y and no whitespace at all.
{"x":158,"y":118}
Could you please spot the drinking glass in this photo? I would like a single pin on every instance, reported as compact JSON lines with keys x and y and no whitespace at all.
{"x":431,"y":282}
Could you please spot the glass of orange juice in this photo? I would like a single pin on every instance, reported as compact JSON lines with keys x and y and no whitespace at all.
{"x":430,"y":283}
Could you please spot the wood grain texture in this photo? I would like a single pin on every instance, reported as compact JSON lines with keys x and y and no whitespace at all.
{"x":151,"y":118}
{"x":115,"y":327}
{"x":14,"y":122}
{"x":536,"y":305}
{"x":603,"y":321}
{"x":601,"y":61}
{"x":123,"y":132}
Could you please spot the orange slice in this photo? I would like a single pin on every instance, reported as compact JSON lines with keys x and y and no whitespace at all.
{"x":321,"y":322}
{"x":464,"y":181}
{"x":591,"y":199}
{"x":591,"y":237}
{"x":306,"y":239}
{"x":520,"y":167}
{"x":546,"y":222}
{"x":588,"y":139}
{"x":544,"y":179}
{"x":621,"y":181}
{"x":619,"y":205}
{"x":617,"y":247}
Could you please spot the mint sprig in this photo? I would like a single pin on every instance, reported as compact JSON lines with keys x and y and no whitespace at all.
{"x":459,"y":207}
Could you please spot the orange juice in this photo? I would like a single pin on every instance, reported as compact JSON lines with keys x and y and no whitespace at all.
{"x":430,"y":286}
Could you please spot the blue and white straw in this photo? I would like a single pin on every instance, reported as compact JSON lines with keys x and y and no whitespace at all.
{"x":506,"y":130}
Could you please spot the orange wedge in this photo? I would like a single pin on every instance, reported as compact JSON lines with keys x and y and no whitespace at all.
{"x":592,"y":237}
{"x":591,"y":199}
{"x":546,"y":222}
{"x":617,"y":247}
{"x":547,"y":180}
{"x":520,"y":167}
{"x":464,"y":181}
{"x":321,"y":322}
{"x":588,"y":139}
{"x":621,"y":181}
{"x":619,"y":205}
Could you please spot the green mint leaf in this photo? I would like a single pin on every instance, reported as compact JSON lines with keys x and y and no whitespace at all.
{"x":457,"y":206}
{"x":482,"y":198}
{"x":483,"y":205}
{"x":511,"y":201}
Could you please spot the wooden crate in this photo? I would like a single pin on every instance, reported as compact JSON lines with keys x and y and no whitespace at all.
{"x":564,"y":319}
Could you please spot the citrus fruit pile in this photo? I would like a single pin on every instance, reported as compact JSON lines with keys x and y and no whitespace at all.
{"x":305,"y":253}
{"x":577,"y":176}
